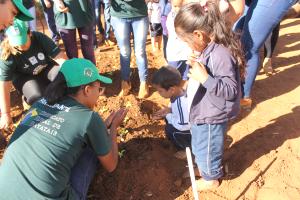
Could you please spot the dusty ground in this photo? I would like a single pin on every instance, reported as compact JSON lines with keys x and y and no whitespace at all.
{"x":262,"y":156}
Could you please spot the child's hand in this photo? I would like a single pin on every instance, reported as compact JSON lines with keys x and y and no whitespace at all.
{"x":60,"y":6}
{"x":47,"y":3}
{"x":197,"y":71}
{"x":161,"y":113}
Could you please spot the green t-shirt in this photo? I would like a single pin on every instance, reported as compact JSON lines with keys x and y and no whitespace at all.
{"x":44,"y":148}
{"x":128,"y":8}
{"x":32,"y":61}
{"x":80,"y":14}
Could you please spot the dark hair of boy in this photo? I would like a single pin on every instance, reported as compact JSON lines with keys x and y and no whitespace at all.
{"x":167,"y":77}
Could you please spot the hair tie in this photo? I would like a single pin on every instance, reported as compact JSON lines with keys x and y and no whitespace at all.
{"x":203,"y":4}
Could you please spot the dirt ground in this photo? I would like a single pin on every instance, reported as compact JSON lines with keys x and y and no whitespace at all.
{"x":262,"y":156}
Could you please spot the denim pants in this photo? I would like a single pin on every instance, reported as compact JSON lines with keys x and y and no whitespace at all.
{"x":49,"y":16}
{"x":259,"y":20}
{"x":208,"y":149}
{"x":106,"y":9}
{"x":83,"y":173}
{"x":123,"y":27}
{"x":86,"y":41}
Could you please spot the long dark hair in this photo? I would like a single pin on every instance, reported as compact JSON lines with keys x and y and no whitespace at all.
{"x":208,"y":19}
{"x":57,"y":90}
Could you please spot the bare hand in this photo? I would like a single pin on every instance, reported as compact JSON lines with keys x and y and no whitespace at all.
{"x":5,"y":121}
{"x":197,"y":71}
{"x":47,"y":3}
{"x":60,"y":6}
{"x":118,"y":118}
{"x":161,"y":113}
{"x":109,"y":119}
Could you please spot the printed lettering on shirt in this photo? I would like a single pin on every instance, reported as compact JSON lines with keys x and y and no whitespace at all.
{"x":33,"y":60}
{"x":26,"y":66}
{"x":38,"y":69}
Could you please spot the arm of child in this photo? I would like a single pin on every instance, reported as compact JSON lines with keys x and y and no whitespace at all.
{"x":161,"y":113}
{"x":6,"y":119}
{"x":60,"y":58}
{"x":236,"y":10}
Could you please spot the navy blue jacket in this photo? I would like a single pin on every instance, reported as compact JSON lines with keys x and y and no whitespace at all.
{"x":218,"y":99}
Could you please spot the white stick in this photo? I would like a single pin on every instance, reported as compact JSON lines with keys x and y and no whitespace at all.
{"x":192,"y":174}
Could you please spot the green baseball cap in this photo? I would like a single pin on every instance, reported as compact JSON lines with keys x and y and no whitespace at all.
{"x":79,"y":71}
{"x":23,"y":13}
{"x":17,"y":33}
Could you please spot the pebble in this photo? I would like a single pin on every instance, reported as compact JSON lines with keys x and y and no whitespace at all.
{"x":149,"y":194}
{"x":178,"y":182}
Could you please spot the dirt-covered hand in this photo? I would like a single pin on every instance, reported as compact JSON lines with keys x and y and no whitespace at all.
{"x":119,"y":117}
{"x":161,"y":113}
{"x":5,"y":121}
{"x":47,"y":3}
{"x":60,"y":6}
{"x":109,"y":119}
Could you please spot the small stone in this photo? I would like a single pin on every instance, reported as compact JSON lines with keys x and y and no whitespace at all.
{"x":149,"y":194}
{"x":178,"y":182}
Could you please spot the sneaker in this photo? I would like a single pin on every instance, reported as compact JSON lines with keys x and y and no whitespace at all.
{"x":125,"y":88}
{"x":207,"y":185}
{"x":144,"y":90}
{"x":246,"y":103}
{"x":267,"y":66}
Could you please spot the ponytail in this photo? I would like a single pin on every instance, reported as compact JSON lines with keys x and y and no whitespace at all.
{"x":7,"y":50}
{"x":207,"y":18}
{"x":58,"y":90}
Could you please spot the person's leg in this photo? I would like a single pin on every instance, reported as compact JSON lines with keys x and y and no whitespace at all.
{"x":140,"y":30}
{"x":122,"y":33}
{"x":269,"y":47}
{"x":68,"y":37}
{"x":83,"y":172}
{"x":261,"y":18}
{"x":208,"y":147}
{"x":107,"y":18}
{"x":32,"y":23}
{"x":49,"y":16}
{"x":86,"y":41}
{"x":165,"y":41}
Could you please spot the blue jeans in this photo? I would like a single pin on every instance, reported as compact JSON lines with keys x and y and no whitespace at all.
{"x":49,"y":16}
{"x":106,"y":9}
{"x":260,"y":19}
{"x":208,"y":148}
{"x":83,"y":172}
{"x":123,"y":29}
{"x":86,"y":41}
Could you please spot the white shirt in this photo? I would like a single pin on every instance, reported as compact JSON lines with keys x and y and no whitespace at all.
{"x":154,"y":11}
{"x":176,"y":49}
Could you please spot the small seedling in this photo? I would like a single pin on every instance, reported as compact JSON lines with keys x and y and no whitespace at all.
{"x":126,"y":119}
{"x":121,"y":153}
{"x":123,"y":132}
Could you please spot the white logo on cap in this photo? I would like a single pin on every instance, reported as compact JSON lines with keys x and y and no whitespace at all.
{"x":88,"y":72}
{"x":16,"y":30}
{"x":41,"y":56}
